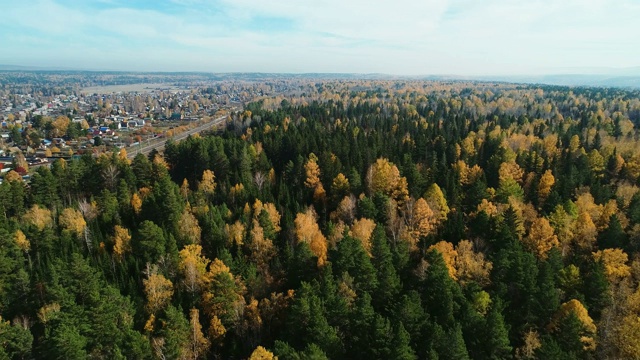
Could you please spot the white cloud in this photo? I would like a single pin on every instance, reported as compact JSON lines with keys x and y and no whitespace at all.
{"x":399,"y":21}
{"x":402,"y":36}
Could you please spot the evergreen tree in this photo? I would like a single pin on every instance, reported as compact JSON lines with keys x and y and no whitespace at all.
{"x":400,"y":346}
{"x":351,"y":258}
{"x":613,"y":236}
{"x":307,"y":310}
{"x":449,"y":344}
{"x":497,"y":334}
{"x":150,"y":243}
{"x":595,"y":288}
{"x":388,"y":280}
{"x":439,"y":290}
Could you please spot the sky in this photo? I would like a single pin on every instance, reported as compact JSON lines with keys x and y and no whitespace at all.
{"x":400,"y":37}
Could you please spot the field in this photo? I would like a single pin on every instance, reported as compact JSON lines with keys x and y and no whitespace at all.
{"x":108,"y":89}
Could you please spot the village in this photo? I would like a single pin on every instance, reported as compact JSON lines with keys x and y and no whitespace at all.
{"x":36,"y":128}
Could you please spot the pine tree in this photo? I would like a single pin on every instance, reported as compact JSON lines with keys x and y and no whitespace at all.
{"x":150,"y":243}
{"x":497,"y":334}
{"x":412,"y":315}
{"x":450,"y":344}
{"x":400,"y":346}
{"x":595,"y":287}
{"x":175,"y":335}
{"x":613,"y":236}
{"x":389,"y":284}
{"x":307,"y":310}
{"x":350,"y":257}
{"x":439,"y":291}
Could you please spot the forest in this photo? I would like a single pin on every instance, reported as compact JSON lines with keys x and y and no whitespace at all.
{"x":353,"y":220}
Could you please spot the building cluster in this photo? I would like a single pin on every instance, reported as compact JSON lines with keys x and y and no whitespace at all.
{"x":40,"y":127}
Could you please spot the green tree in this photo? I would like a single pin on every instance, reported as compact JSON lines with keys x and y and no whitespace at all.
{"x":439,"y":291}
{"x":351,"y":258}
{"x":174,"y":334}
{"x":613,"y":236}
{"x":142,"y":169}
{"x":401,"y":345}
{"x":149,"y":244}
{"x":389,"y":284}
{"x":65,"y":342}
{"x":497,"y":335}
{"x":308,"y":323}
{"x":15,"y":341}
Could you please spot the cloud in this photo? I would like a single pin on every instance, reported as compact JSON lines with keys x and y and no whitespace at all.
{"x":402,"y":36}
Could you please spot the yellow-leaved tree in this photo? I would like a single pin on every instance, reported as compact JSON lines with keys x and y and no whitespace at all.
{"x":615,"y":263}
{"x":562,"y":222}
{"x":22,"y":241}
{"x":188,"y":228}
{"x":437,"y":202}
{"x":541,"y":238}
{"x":272,"y":212}
{"x":468,"y":175}
{"x":122,"y":155}
{"x":158,"y":290}
{"x":193,"y":267}
{"x":340,"y":186}
{"x":544,"y":186}
{"x":307,"y":231}
{"x":72,"y":220}
{"x":122,"y":241}
{"x":207,"y":184}
{"x":422,"y":221}
{"x":216,"y":330}
{"x":262,"y":249}
{"x":585,"y":231}
{"x":384,"y":176}
{"x":362,"y":230}
{"x":312,"y":170}
{"x":449,"y":254}
{"x":510,"y":170}
{"x":13,"y":176}
{"x":198,"y":344}
{"x":60,"y":125}
{"x":576,"y":308}
{"x":235,"y":232}
{"x":136,"y":203}
{"x":261,"y":353}
{"x":184,"y":188}
{"x":471,"y":265}
{"x":274,"y":216}
{"x":38,"y":217}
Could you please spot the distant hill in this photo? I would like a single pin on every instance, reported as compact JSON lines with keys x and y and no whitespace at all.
{"x":625,"y":81}
{"x":600,"y":77}
{"x":6,"y":67}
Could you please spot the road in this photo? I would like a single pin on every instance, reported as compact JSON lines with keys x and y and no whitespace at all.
{"x":147,"y":146}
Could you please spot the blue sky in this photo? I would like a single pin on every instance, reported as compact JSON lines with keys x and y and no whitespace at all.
{"x":404,"y":37}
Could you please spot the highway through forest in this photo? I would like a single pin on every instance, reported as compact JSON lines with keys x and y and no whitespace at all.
{"x":158,"y":144}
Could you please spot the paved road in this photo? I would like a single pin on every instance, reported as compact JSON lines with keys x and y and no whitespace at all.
{"x":147,"y":146}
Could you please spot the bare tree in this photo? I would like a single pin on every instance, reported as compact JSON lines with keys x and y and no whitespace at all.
{"x":259,"y":178}
{"x":110,"y":176}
